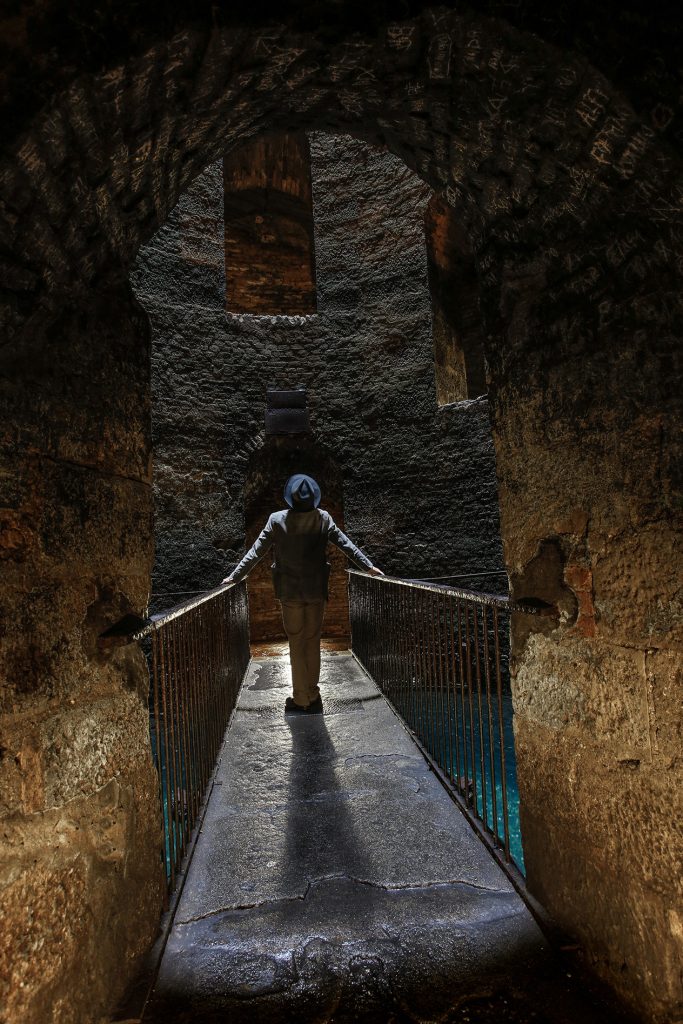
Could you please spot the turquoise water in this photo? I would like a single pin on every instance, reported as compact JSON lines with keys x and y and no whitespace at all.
{"x":171,"y":837}
{"x":451,"y":732}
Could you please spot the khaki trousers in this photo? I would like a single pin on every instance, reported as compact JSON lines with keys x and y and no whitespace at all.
{"x":303,"y":622}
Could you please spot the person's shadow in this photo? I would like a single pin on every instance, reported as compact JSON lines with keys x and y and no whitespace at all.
{"x":320,"y":839}
{"x":340,"y":965}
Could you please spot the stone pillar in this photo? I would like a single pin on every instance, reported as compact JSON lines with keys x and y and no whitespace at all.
{"x":81,"y":870}
{"x":587,"y":431}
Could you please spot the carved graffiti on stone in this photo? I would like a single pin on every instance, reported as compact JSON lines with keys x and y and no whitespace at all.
{"x":639,"y":142}
{"x":591,"y":106}
{"x":403,"y":40}
{"x":439,"y":58}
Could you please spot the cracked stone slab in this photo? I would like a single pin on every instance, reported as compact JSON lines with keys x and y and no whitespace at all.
{"x":409,"y":948}
{"x":333,"y":867}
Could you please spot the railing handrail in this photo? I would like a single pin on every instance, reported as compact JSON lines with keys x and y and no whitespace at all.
{"x":161,"y":618}
{"x":131,"y":627}
{"x":499,"y":600}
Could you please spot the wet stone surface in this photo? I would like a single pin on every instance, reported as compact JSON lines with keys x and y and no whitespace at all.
{"x":335,"y":880}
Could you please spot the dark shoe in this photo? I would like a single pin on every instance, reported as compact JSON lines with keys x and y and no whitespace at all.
{"x":292,"y":708}
{"x":315,"y":707}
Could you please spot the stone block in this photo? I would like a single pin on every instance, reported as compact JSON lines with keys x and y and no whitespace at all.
{"x":664,"y":675}
{"x":590,"y":691}
{"x":603,"y":852}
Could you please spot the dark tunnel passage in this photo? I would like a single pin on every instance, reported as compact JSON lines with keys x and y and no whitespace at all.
{"x":561,"y":171}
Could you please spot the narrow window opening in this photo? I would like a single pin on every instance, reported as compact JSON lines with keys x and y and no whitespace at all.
{"x":457,"y":330}
{"x":269,"y":242}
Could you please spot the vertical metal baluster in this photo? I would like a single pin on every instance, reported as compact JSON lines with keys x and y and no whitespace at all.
{"x":433,"y":672}
{"x":234,"y":660}
{"x":180,"y":683}
{"x":393,"y":640}
{"x":184,"y":676}
{"x":388,"y":636}
{"x":462,"y":671}
{"x":439,"y":706}
{"x":230,"y":656}
{"x":354,"y":598}
{"x":203,"y":698}
{"x":177,"y":741}
{"x":166,"y":705}
{"x":228,"y":633}
{"x":199,"y":704}
{"x":380,"y":645}
{"x":404,"y":651}
{"x":480,"y":712}
{"x":191,"y":712}
{"x":422,"y":688}
{"x":445,"y":690}
{"x":423,"y":718}
{"x":380,"y":658}
{"x":417,"y":636}
{"x":501,"y":729}
{"x":223,"y":635}
{"x":232,"y":652}
{"x":436,"y":696}
{"x":453,"y":693}
{"x":372,"y":613}
{"x":369,"y":619}
{"x":369,"y":611}
{"x":492,"y":762}
{"x":200,"y":742}
{"x":215,"y":702}
{"x":441,"y":639}
{"x":210,"y":714}
{"x":409,"y":647}
{"x":221,"y":689}
{"x":170,"y":683}
{"x":215,"y":680}
{"x":470,"y":701}
{"x":413,"y":611}
{"x":161,"y":757}
{"x":426,"y":649}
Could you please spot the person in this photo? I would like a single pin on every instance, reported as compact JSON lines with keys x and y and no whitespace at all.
{"x":300,"y":535}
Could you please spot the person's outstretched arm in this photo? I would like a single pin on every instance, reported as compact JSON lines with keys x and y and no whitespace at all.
{"x":345,"y":544}
{"x":258,"y":550}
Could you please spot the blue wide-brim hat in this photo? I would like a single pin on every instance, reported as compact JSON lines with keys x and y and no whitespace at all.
{"x":302,"y":493}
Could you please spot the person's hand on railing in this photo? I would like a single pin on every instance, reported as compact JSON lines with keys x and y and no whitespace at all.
{"x":375,"y":571}
{"x":228,"y":579}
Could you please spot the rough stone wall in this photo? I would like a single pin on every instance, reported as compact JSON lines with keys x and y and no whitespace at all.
{"x":419,"y":482}
{"x":80,"y":875}
{"x":564,"y":166}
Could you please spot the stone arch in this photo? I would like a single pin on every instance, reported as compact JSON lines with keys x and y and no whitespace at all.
{"x":490,"y":114}
{"x":571,"y":206}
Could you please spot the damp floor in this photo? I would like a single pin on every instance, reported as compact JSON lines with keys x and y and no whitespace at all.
{"x":335,"y":880}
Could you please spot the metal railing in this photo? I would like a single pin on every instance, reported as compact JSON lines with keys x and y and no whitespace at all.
{"x":198,"y":654}
{"x":441,"y":657}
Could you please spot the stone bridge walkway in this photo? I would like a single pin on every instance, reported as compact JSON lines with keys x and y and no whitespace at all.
{"x":335,"y":880}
